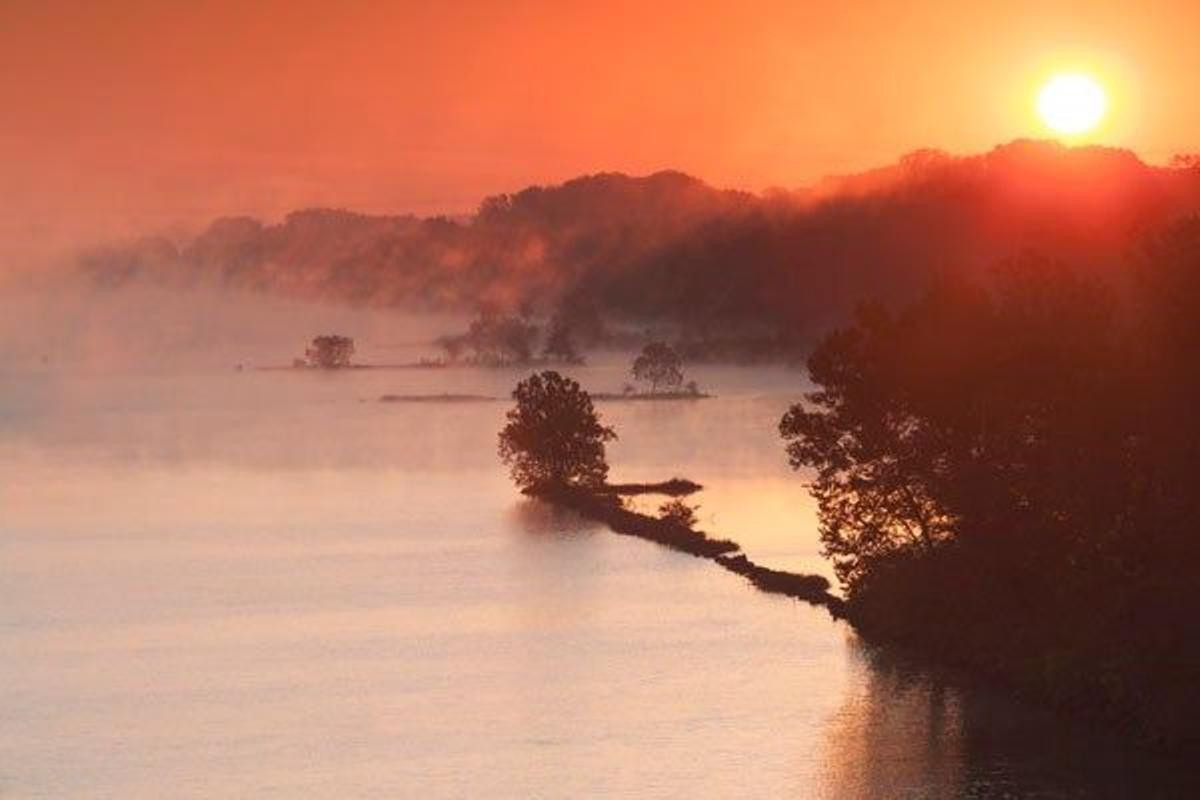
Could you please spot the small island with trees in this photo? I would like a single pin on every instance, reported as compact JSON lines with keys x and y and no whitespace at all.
{"x":496,"y":340}
{"x":658,"y":373}
{"x":329,"y":351}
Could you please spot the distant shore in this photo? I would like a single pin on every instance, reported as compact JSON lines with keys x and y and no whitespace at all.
{"x":347,"y":367}
{"x":482,"y":398}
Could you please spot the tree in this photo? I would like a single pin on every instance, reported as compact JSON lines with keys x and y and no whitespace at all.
{"x":560,"y":344}
{"x":330,"y":351}
{"x":576,"y":321}
{"x":578,"y":313}
{"x":553,"y":437}
{"x":972,"y":417}
{"x":495,"y":339}
{"x":452,"y":344}
{"x":870,"y":500}
{"x":678,"y":512}
{"x":1006,"y":477}
{"x":658,"y":365}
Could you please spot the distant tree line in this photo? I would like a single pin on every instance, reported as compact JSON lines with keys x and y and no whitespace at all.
{"x":493,"y":339}
{"x":742,"y":276}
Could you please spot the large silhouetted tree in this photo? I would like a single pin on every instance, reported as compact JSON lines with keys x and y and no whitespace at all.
{"x":553,"y":437}
{"x":971,"y":416}
{"x":1005,"y":474}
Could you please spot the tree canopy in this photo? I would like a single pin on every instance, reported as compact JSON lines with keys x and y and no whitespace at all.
{"x":1006,"y":473}
{"x":494,"y":339}
{"x":668,"y":249}
{"x":659,"y":365}
{"x":553,"y":437}
{"x":957,"y":416}
{"x":330,"y":351}
{"x":560,"y":343}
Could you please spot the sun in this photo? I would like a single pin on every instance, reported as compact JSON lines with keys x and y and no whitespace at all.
{"x":1072,"y":104}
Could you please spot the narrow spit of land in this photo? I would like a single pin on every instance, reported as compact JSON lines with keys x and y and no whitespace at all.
{"x":349,"y":367}
{"x":460,"y":398}
{"x":604,"y":505}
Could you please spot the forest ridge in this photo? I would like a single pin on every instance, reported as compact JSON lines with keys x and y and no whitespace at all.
{"x":670,"y":248}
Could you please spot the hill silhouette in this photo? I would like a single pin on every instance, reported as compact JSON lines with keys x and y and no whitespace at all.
{"x":670,"y":248}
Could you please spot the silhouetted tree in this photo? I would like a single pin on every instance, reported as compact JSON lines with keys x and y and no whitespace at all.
{"x":1005,"y":475}
{"x":453,"y":345}
{"x":678,"y":512}
{"x":553,"y":437}
{"x":581,"y":316}
{"x":954,"y":417}
{"x":497,"y":339}
{"x":560,"y":345}
{"x":330,"y":351}
{"x":659,"y":365}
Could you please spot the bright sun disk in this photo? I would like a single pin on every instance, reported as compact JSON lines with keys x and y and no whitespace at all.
{"x":1072,"y":104}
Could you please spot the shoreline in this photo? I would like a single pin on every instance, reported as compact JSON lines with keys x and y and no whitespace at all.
{"x":604,"y":505}
{"x":935,"y":652}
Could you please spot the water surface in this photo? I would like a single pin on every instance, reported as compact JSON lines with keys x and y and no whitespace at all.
{"x":235,"y":584}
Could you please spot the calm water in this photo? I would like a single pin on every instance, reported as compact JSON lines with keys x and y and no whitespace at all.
{"x":265,"y":584}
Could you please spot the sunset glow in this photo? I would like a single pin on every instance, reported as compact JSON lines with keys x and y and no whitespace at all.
{"x":544,"y":398}
{"x":1072,"y":104}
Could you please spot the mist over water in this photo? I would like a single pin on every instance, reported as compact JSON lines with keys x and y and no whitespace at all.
{"x":59,"y":322}
{"x":266,"y":583}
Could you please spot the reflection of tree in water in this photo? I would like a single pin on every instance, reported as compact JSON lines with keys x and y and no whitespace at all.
{"x":538,"y":518}
{"x":916,"y":732}
{"x":899,"y":736}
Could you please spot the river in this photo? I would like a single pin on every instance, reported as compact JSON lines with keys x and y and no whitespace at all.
{"x":219,"y":583}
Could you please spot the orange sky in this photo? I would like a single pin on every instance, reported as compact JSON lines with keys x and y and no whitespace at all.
{"x":123,"y":115}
